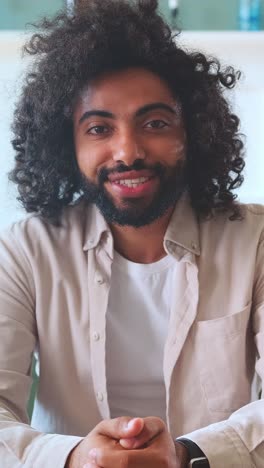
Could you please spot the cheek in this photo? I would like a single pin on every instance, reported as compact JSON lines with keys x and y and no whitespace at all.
{"x":89,"y":159}
{"x":169,"y":152}
{"x":84,"y":162}
{"x":177,"y":151}
{"x":177,"y":148}
{"x":169,"y":147}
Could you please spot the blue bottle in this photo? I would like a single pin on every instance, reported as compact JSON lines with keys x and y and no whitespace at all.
{"x":249,"y":15}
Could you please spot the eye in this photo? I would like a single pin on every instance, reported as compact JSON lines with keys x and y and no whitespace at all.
{"x":156,"y":124}
{"x":97,"y":130}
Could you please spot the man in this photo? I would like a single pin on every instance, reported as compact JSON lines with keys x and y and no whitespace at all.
{"x":138,"y":281}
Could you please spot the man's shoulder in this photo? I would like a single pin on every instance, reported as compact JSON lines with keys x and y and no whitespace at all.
{"x":254,"y":218}
{"x":253,"y":209}
{"x":252,"y":214}
{"x":248,"y":212}
{"x":35,"y":229}
{"x":249,"y":223}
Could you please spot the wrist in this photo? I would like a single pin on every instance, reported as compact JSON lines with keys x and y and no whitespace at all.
{"x":182,"y":455}
{"x":68,"y":463}
{"x":73,"y":457}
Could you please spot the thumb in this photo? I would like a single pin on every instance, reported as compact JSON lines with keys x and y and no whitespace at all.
{"x":133,"y":428}
{"x":119,"y":428}
{"x":153,"y":427}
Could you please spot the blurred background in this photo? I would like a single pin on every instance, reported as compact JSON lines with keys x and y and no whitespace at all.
{"x":232,"y":30}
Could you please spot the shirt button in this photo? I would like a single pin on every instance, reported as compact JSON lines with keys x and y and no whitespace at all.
{"x":99,"y":280}
{"x":100,"y":396}
{"x":96,"y":336}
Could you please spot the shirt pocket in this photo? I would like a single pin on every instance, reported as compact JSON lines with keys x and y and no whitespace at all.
{"x":225,"y":359}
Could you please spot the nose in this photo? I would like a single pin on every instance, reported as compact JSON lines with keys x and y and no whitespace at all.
{"x":128,"y":149}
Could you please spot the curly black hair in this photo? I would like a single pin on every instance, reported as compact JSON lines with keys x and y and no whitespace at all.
{"x":101,"y":36}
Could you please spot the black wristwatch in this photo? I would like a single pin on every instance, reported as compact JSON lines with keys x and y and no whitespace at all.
{"x":197,"y":458}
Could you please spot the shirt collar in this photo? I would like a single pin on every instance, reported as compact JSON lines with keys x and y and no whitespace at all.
{"x":96,"y":228}
{"x":182,"y":231}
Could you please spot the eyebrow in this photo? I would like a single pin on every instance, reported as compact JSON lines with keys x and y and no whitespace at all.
{"x":143,"y":110}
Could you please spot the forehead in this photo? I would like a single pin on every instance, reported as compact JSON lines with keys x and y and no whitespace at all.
{"x":127,"y":89}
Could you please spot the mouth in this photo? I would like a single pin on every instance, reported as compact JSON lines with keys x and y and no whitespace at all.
{"x":133,"y":184}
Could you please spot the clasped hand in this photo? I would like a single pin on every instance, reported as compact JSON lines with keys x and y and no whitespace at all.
{"x":128,"y":443}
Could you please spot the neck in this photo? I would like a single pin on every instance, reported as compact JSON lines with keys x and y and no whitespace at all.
{"x":142,"y":245}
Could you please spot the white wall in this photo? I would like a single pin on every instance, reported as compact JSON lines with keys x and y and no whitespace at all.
{"x":244,"y":50}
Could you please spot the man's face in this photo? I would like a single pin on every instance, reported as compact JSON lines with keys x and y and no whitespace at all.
{"x":130,"y":146}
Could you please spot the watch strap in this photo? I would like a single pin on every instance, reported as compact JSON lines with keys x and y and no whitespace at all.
{"x":197,"y":458}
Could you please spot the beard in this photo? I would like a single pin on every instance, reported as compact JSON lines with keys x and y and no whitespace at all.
{"x":134,"y":211}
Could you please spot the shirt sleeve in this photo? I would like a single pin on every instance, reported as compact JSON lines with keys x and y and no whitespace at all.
{"x":239,"y":441}
{"x":20,"y":444}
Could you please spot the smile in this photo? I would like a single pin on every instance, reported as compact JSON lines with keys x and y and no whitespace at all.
{"x":132,"y":182}
{"x":136,"y":187}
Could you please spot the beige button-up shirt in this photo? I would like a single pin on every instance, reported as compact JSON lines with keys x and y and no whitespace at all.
{"x":54,"y":287}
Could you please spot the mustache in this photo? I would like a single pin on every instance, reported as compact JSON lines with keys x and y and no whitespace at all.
{"x":139,"y":165}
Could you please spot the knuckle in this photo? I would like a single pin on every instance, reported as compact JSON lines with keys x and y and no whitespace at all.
{"x":157,"y":421}
{"x":160,"y":423}
{"x":110,"y":425}
{"x":121,"y":422}
{"x":101,"y":426}
{"x":155,"y":426}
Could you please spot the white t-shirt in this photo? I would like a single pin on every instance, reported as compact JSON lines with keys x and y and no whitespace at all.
{"x":136,"y":329}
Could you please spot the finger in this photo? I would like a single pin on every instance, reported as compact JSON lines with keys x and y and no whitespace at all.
{"x":153,"y":427}
{"x":131,"y":459}
{"x":119,"y":428}
{"x":109,"y":459}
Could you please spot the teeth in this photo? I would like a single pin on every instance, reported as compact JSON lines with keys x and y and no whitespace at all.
{"x":132,"y":182}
